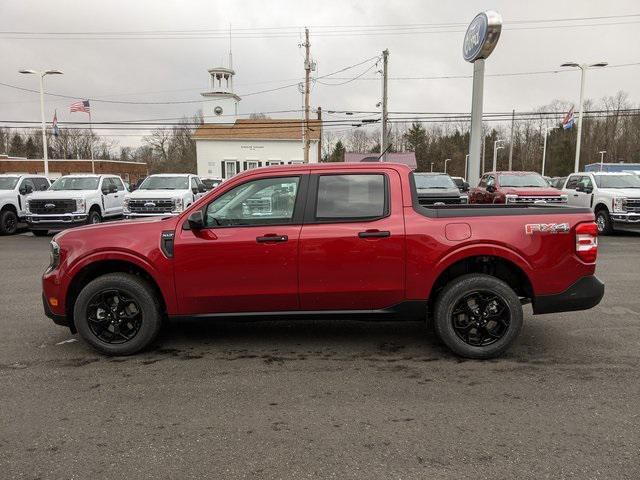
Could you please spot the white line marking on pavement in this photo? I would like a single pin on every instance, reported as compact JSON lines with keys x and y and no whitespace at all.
{"x":71,"y":340}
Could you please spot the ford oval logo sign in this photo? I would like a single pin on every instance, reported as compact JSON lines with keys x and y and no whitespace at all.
{"x":482,"y":36}
{"x":49,"y":206}
{"x":149,"y":204}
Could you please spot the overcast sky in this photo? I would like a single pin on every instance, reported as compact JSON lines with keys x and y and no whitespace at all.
{"x":175,"y":69}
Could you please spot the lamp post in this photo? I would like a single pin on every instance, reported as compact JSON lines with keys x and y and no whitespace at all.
{"x":431,"y":166}
{"x":41,"y":75}
{"x":445,"y":164}
{"x":496,"y":147}
{"x":544,"y":149}
{"x":583,"y":69}
{"x":602,"y":152}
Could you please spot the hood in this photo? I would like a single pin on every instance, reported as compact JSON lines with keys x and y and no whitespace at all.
{"x":64,"y":194}
{"x":159,"y":194}
{"x":8,"y":193}
{"x":622,"y":192}
{"x":533,"y":191}
{"x":438,"y":192}
{"x":125,"y":226}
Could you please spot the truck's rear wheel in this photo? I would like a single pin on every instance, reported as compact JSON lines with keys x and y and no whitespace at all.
{"x":603,"y":221}
{"x":94,"y":217}
{"x":478,"y":316}
{"x":118,"y":314}
{"x":8,"y":222}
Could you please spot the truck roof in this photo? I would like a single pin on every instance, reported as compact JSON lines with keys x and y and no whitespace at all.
{"x":170,"y":175}
{"x":512,"y":172}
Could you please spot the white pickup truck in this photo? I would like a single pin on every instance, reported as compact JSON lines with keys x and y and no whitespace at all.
{"x":14,"y":190}
{"x":614,"y":198}
{"x":163,"y":194}
{"x":74,"y":200}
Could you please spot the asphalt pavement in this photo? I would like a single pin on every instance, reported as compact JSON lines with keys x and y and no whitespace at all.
{"x":321,"y":399}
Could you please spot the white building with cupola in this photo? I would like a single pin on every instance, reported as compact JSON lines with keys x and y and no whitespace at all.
{"x":229,"y":142}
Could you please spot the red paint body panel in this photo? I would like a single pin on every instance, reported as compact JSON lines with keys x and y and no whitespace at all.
{"x":322,"y":266}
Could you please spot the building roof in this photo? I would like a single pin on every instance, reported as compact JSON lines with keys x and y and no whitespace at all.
{"x":406,"y":158}
{"x":259,"y":129}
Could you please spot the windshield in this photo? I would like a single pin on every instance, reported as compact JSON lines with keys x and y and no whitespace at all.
{"x":75,"y":183}
{"x":617,"y":181}
{"x":434,"y":181}
{"x":209,"y":183}
{"x":527,"y":180}
{"x":165,"y":183}
{"x":8,"y":183}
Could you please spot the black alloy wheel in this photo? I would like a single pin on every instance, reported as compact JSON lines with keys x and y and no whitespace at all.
{"x":113,"y":316}
{"x":8,"y":223}
{"x":480,"y":318}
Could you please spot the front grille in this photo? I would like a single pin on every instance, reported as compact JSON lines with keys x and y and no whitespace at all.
{"x":151,"y":206}
{"x":52,"y":207}
{"x":633,"y":205}
{"x":445,"y":200}
{"x":531,"y":199}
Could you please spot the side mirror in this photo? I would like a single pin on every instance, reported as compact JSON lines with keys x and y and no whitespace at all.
{"x":579,"y":188}
{"x":491,"y":188}
{"x":202,"y":188}
{"x":196,"y":220}
{"x":465,"y":187}
{"x":194,"y":190}
{"x":26,"y":190}
{"x":113,"y":189}
{"x":588,"y":190}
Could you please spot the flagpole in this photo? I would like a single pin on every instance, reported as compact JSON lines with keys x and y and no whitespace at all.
{"x":93,"y":168}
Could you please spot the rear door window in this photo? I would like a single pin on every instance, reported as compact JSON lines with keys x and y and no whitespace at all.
{"x":351,"y":197}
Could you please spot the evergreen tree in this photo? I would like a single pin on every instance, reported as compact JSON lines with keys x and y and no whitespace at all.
{"x":338,"y":152}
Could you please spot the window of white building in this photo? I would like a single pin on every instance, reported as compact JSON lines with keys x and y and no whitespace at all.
{"x":230,"y":168}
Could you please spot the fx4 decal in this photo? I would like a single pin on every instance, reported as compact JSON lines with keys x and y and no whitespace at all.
{"x":532,"y":228}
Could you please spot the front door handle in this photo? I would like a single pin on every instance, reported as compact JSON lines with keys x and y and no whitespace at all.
{"x":272,"y":238}
{"x":375,"y":234}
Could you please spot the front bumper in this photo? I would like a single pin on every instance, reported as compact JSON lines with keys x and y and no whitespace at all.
{"x":57,"y":319}
{"x":584,"y":294}
{"x":56,"y":222}
{"x":626,"y":220}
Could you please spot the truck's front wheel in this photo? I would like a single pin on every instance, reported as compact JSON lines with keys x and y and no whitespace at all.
{"x":118,"y":314}
{"x":8,"y":222}
{"x":478,"y":316}
{"x":603,"y":220}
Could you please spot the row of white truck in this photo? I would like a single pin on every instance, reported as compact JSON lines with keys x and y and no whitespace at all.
{"x":84,"y":199}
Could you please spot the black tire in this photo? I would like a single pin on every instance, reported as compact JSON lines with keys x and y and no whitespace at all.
{"x":458,"y":294}
{"x":130,"y":287}
{"x":40,"y":233}
{"x":94,"y":217}
{"x":8,"y":222}
{"x":603,"y":220}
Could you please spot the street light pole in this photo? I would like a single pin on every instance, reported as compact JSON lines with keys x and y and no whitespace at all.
{"x":496,"y":147}
{"x":544,"y":149}
{"x":41,"y":75}
{"x":583,"y":73}
{"x":602,"y":152}
{"x":445,"y":164}
{"x":466,"y":163}
{"x":431,"y":166}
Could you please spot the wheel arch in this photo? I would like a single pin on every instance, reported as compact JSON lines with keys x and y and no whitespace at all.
{"x":600,"y":205}
{"x":9,"y":206}
{"x":94,"y":269}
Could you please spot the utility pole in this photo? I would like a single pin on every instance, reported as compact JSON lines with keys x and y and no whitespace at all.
{"x":384,"y":143}
{"x":307,"y":87}
{"x":320,"y":134}
{"x":544,"y":150}
{"x":513,"y":119}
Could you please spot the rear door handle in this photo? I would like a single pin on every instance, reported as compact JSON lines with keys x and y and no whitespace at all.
{"x":272,"y":238}
{"x":375,"y":234}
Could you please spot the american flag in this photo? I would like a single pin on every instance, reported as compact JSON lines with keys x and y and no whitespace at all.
{"x":81,"y":106}
{"x":567,"y":121}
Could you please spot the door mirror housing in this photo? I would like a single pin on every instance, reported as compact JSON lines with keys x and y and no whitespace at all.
{"x":201,"y":188}
{"x":491,"y":188}
{"x":196,"y":220}
{"x":113,"y":189}
{"x":26,"y":190}
{"x":465,"y":187}
{"x":194,"y":190}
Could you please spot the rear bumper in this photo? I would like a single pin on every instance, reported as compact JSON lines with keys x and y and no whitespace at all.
{"x":586,"y":293}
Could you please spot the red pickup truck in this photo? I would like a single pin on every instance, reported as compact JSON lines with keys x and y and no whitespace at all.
{"x":346,"y":241}
{"x":518,"y":188}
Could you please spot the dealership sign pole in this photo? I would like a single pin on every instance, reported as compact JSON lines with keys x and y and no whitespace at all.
{"x":479,"y":41}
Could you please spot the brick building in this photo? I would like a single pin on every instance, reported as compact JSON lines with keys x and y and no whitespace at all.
{"x":129,"y":171}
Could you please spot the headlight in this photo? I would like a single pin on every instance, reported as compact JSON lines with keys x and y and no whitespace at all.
{"x":125,"y":205}
{"x":464,"y":199}
{"x":178,"y":204}
{"x":620,"y":204}
{"x":80,"y":204}
{"x":54,"y":255}
{"x":511,"y":198}
{"x":26,"y":207}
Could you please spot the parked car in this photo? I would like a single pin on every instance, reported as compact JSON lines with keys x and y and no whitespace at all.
{"x":163,"y":194}
{"x":74,"y":200}
{"x":614,"y":198}
{"x":211,"y":183}
{"x":461,"y":183}
{"x":437,"y":188}
{"x":517,"y":188}
{"x":14,"y":190}
{"x":557,"y":182}
{"x":346,"y":240}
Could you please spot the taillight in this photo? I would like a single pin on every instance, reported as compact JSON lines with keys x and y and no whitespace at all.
{"x":587,"y":242}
